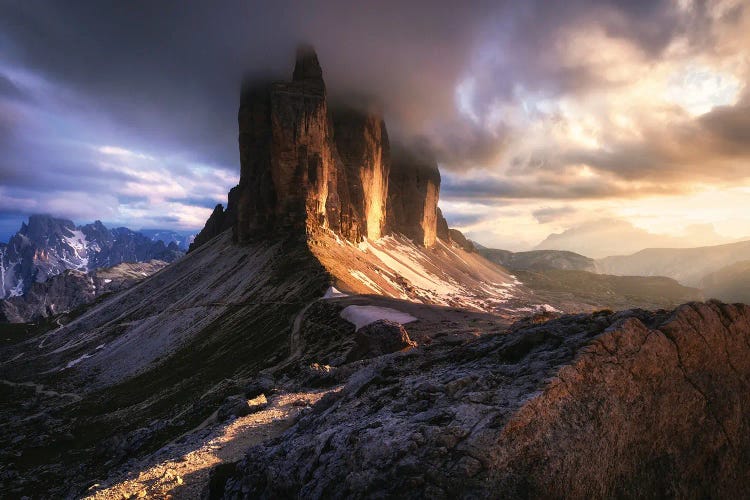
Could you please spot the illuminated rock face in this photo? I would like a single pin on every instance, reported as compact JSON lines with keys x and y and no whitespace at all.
{"x":414,"y":188}
{"x":305,"y":168}
{"x":362,"y":143}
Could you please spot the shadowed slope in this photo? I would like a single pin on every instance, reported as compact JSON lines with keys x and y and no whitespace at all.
{"x":154,"y":361}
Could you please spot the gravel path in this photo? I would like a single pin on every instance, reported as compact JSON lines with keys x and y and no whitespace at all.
{"x":181,"y":469}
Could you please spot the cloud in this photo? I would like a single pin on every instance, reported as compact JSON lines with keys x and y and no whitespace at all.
{"x":550,"y":214}
{"x":555,"y":103}
{"x":481,"y":185}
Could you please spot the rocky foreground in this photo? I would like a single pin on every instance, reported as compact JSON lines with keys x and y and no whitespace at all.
{"x":454,"y":404}
{"x":625,"y":404}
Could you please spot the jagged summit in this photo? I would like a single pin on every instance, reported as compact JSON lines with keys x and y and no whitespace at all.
{"x":307,"y":66}
{"x":305,"y":168}
{"x":46,"y":246}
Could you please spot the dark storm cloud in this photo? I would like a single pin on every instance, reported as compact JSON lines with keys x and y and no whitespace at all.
{"x":162,"y":78}
{"x":172,"y":69}
{"x":488,"y":189}
{"x":730,"y":127}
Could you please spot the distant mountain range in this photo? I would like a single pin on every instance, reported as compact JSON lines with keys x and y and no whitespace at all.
{"x":607,"y":237}
{"x":72,"y":289}
{"x":183,"y":239}
{"x":719,"y":271}
{"x":689,"y":266}
{"x":731,"y":283}
{"x":539,"y":259}
{"x":47,"y":246}
{"x":573,"y":282}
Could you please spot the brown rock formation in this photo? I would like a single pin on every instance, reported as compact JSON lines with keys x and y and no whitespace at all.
{"x":219,"y":221}
{"x":288,"y":164}
{"x":441,"y":228}
{"x":362,"y":144}
{"x":459,"y":239}
{"x":212,"y":228}
{"x":291,"y":173}
{"x":378,"y":338}
{"x":303,"y":168}
{"x":413,"y":191}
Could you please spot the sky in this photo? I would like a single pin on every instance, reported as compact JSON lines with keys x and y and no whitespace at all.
{"x":545,"y":117}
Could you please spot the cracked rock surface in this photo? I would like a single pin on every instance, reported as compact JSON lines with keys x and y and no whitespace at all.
{"x":606,"y":405}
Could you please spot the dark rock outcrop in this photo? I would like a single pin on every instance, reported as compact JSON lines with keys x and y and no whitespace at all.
{"x":459,"y":239}
{"x":441,"y":227}
{"x":239,"y":406}
{"x":378,"y":338}
{"x":214,"y":226}
{"x":219,"y":221}
{"x":630,"y":404}
{"x":413,"y":191}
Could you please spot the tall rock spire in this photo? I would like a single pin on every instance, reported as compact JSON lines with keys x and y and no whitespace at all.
{"x":307,"y":66}
{"x":303,"y":168}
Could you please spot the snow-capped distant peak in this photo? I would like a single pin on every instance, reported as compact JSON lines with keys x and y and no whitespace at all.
{"x":48,"y":246}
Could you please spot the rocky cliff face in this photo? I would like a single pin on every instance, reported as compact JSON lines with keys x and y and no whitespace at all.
{"x":414,"y":188}
{"x":363,"y":146}
{"x":304,"y":167}
{"x":220,"y":220}
{"x":289,"y":167}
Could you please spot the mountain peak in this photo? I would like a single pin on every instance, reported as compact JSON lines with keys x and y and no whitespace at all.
{"x":334,"y":174}
{"x":46,"y":246}
{"x":307,"y":66}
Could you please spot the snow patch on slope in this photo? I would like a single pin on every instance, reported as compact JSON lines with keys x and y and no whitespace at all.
{"x":79,"y":246}
{"x":17,"y":290}
{"x":333,"y":293}
{"x":444,"y":274}
{"x":361,"y":316}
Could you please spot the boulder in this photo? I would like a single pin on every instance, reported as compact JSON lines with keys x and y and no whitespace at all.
{"x":379,"y":338}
